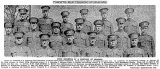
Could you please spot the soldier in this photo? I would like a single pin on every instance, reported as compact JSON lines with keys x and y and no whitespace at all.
{"x":101,"y":33}
{"x":80,"y":36}
{"x":92,"y":49}
{"x":45,"y":50}
{"x":134,"y":51}
{"x":32,"y":36}
{"x":8,"y":38}
{"x":87,"y":24}
{"x":45,"y":21}
{"x":124,"y":39}
{"x":131,"y":26}
{"x":108,"y":27}
{"x":70,"y":49}
{"x":65,"y":24}
{"x":56,"y":38}
{"x":113,"y":50}
{"x":20,"y":49}
{"x":21,"y":23}
{"x":146,"y":41}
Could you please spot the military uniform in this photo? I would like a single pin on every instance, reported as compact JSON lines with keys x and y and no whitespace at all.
{"x":45,"y":51}
{"x":8,"y":40}
{"x":20,"y":50}
{"x":65,"y":24}
{"x":101,"y":35}
{"x":45,"y":21}
{"x":88,"y":26}
{"x":56,"y":39}
{"x":92,"y":50}
{"x":80,"y":35}
{"x":147,"y":41}
{"x":21,"y":23}
{"x":134,"y":52}
{"x":124,"y":41}
{"x":70,"y":49}
{"x":131,"y":25}
{"x":108,"y":27}
{"x":32,"y":36}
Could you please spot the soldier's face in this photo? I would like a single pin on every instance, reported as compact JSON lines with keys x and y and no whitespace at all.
{"x":99,"y":27}
{"x":19,"y":40}
{"x":84,"y":15}
{"x":23,"y":16}
{"x":121,"y":24}
{"x":45,"y":42}
{"x":33,"y":25}
{"x":79,"y":26}
{"x":45,"y":13}
{"x":144,"y":29}
{"x":112,"y":43}
{"x":92,"y":40}
{"x":8,"y":30}
{"x":129,"y":15}
{"x":134,"y":41}
{"x":104,"y":15}
{"x":70,"y":39}
{"x":56,"y":30}
{"x":65,"y":19}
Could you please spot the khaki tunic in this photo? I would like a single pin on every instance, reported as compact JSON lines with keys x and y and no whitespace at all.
{"x":135,"y":52}
{"x":108,"y":27}
{"x":47,"y":52}
{"x":70,"y":51}
{"x":93,"y":51}
{"x":116,"y":52}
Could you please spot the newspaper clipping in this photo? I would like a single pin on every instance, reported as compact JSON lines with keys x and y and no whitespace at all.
{"x":71,"y":34}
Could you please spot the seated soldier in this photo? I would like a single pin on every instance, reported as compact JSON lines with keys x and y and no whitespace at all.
{"x":70,"y":49}
{"x":92,"y":50}
{"x":20,"y":49}
{"x":45,"y":50}
{"x":113,"y":50}
{"x":134,"y":51}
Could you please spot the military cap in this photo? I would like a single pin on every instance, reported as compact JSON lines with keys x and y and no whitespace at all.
{"x":120,"y":18}
{"x":98,"y":22}
{"x":44,"y":36}
{"x":129,"y":10}
{"x":92,"y":32}
{"x":133,"y":35}
{"x":103,"y":10}
{"x":45,"y":7}
{"x":84,"y":11}
{"x":69,"y":32}
{"x":64,"y":13}
{"x":79,"y":20}
{"x":113,"y":37}
{"x":56,"y":24}
{"x":33,"y":19}
{"x":22,"y":10}
{"x":8,"y":25}
{"x":144,"y":24}
{"x":19,"y":34}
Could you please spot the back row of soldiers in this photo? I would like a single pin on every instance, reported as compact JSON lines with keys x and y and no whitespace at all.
{"x":30,"y":36}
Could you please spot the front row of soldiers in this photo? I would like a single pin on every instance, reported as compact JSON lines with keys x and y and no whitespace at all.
{"x":76,"y":43}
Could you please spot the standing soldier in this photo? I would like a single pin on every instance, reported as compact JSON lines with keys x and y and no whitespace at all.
{"x":108,"y":27}
{"x":101,"y":33}
{"x":92,"y":49}
{"x":124,"y":39}
{"x":113,"y":50}
{"x":134,"y":51}
{"x":45,"y":50}
{"x":32,"y":36}
{"x":70,"y":49}
{"x":131,"y":26}
{"x":56,"y":38}
{"x":8,"y":38}
{"x":20,"y":49}
{"x":146,"y":41}
{"x":45,"y":21}
{"x":21,"y":23}
{"x":87,"y":24}
{"x":80,"y":36}
{"x":65,"y":24}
